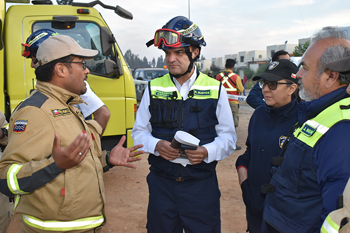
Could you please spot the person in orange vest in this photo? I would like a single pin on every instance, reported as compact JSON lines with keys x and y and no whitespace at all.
{"x":233,"y":85}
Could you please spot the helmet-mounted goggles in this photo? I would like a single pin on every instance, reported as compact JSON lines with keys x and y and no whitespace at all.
{"x":169,"y":38}
{"x":26,"y":50}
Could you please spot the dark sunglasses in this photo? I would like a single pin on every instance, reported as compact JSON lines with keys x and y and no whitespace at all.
{"x":81,"y":62}
{"x":272,"y":85}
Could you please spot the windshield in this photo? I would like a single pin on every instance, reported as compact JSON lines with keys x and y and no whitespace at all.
{"x":86,"y":34}
{"x":151,"y":74}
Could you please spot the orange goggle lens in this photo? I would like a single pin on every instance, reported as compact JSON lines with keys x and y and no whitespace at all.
{"x":168,"y":37}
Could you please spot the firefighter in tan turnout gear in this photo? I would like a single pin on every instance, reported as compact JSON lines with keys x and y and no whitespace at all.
{"x":53,"y":162}
{"x":6,"y":205}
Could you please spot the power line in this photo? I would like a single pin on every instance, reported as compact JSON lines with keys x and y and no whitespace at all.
{"x":301,"y":16}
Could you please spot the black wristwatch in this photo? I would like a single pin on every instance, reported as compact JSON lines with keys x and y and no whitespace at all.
{"x":107,"y":160}
{"x":4,"y":133}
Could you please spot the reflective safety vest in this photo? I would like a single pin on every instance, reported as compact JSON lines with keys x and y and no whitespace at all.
{"x":78,"y":224}
{"x":228,"y":80}
{"x":195,"y":115}
{"x":334,"y":219}
{"x":296,"y":203}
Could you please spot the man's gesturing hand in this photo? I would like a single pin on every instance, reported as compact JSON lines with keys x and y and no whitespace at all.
{"x":73,"y":154}
{"x":121,"y":156}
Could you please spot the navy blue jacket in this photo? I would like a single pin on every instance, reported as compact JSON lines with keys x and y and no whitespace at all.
{"x":255,"y":97}
{"x":329,"y":165}
{"x":268,"y":128}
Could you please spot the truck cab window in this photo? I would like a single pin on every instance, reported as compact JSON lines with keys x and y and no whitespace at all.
{"x":87,"y":35}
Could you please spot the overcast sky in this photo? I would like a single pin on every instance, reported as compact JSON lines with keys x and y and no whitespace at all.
{"x":228,"y":26}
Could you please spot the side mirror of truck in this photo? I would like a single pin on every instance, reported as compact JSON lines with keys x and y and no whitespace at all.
{"x":107,"y":40}
{"x":113,"y":70}
{"x":123,"y":13}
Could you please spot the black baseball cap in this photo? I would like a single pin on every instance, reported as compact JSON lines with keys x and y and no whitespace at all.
{"x":279,"y":69}
{"x":341,"y":65}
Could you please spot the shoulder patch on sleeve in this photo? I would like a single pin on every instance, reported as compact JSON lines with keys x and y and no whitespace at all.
{"x":20,"y":126}
{"x":282,"y":140}
{"x":36,"y":100}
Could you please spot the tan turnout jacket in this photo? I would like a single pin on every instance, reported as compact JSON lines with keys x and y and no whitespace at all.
{"x":46,"y":192}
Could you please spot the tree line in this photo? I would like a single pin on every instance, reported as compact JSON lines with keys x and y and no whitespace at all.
{"x":134,"y":61}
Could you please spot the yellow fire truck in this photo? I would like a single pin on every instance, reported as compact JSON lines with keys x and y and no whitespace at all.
{"x":109,"y":75}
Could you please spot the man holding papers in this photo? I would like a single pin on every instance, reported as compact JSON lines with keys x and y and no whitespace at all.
{"x":184,"y":193}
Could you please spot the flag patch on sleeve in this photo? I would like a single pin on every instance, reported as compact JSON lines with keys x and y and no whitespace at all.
{"x":20,"y":126}
{"x":61,"y":112}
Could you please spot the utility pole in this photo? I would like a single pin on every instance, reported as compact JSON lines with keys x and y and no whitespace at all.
{"x":189,"y":16}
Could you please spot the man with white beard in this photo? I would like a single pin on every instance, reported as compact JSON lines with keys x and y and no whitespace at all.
{"x":315,"y":169}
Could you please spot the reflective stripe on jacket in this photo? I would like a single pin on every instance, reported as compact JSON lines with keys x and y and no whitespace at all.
{"x":78,"y":224}
{"x":229,"y":83}
{"x":329,"y":226}
{"x":232,"y":83}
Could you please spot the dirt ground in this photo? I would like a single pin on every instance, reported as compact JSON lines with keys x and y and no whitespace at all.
{"x":127,"y":192}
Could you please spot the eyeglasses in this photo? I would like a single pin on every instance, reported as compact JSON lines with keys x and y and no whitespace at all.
{"x":81,"y":62}
{"x":170,"y":38}
{"x":272,"y":85}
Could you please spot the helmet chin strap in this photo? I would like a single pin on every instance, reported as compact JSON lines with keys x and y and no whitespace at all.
{"x":190,"y":66}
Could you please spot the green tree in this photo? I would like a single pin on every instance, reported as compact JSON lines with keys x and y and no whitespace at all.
{"x":134,"y":61}
{"x":249,"y":73}
{"x":153,"y":63}
{"x":214,"y":70}
{"x":199,"y":67}
{"x":145,"y":63}
{"x":300,"y":49}
{"x":261,"y":69}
